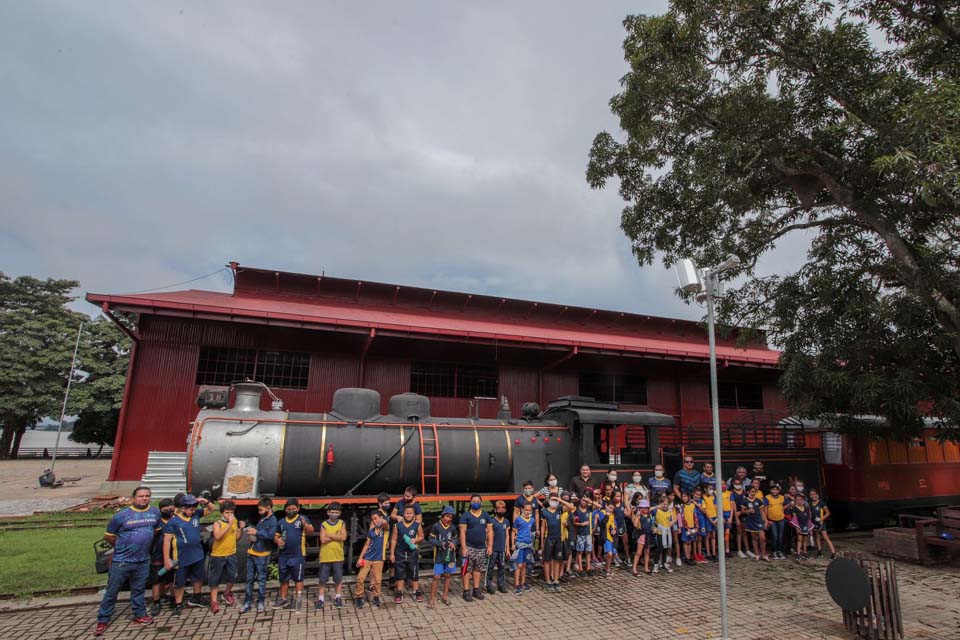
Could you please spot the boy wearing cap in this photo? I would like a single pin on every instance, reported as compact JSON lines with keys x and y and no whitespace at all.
{"x":333,"y":534}
{"x":223,"y":555}
{"x":183,"y":550}
{"x":258,"y":554}
{"x":405,"y":553}
{"x":501,"y":548}
{"x":371,"y":559}
{"x":443,"y":539}
{"x":291,"y":539}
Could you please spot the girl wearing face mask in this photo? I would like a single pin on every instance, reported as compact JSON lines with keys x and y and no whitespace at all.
{"x":528,"y":497}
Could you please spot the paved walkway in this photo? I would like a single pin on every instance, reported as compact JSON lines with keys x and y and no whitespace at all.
{"x":777,"y":601}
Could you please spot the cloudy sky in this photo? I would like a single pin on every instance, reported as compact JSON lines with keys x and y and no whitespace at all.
{"x":434,"y":144}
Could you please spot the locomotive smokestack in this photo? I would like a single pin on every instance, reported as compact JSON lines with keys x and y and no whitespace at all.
{"x":246,"y":397}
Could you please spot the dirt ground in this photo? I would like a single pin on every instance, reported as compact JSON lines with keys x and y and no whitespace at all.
{"x":20,"y":493}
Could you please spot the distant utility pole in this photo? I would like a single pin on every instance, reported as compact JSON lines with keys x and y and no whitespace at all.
{"x":66,"y":396}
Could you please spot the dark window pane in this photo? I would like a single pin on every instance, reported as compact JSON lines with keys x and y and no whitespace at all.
{"x":284,"y":369}
{"x":598,"y":386}
{"x":727,"y":394}
{"x":432,"y":379}
{"x":630,"y":389}
{"x":222,"y":367}
{"x":749,"y":396}
{"x":476,"y":381}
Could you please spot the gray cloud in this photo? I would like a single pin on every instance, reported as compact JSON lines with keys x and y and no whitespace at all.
{"x":432,"y":144}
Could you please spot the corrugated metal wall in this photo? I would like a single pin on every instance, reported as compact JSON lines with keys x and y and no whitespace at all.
{"x":163,"y":392}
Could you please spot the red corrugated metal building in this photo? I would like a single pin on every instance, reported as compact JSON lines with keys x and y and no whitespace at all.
{"x":308,"y":335}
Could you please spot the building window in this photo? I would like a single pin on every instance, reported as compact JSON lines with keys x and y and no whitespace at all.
{"x":280,"y":369}
{"x":614,"y":387}
{"x":450,"y":380}
{"x":740,"y":395}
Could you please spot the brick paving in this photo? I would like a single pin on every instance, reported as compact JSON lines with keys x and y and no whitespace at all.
{"x":776,"y":601}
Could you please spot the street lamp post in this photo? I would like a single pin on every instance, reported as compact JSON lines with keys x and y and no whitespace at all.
{"x":707,"y":286}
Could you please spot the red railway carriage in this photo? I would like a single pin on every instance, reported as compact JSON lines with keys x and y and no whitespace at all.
{"x":869,"y":480}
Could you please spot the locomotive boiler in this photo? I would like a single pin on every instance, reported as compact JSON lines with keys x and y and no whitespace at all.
{"x":353,"y":450}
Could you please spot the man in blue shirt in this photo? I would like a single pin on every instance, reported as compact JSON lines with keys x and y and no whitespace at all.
{"x":291,"y":539}
{"x":183,"y":550}
{"x":131,"y":532}
{"x":687,"y":479}
{"x":476,"y":544}
{"x":258,"y":554}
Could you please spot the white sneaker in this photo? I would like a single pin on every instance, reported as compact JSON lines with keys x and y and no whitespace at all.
{"x":751,"y":555}
{"x":679,"y":563}
{"x":741,"y":554}
{"x":669,"y":559}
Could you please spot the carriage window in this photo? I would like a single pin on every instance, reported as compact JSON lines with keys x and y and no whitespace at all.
{"x":832,"y":448}
{"x":613,"y":387}
{"x":621,"y":444}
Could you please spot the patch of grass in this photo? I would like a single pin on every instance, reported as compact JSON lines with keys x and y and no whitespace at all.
{"x":40,"y":560}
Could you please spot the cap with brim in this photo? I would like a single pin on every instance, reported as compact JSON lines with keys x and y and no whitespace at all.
{"x":188,"y":501}
{"x":644,"y":504}
{"x":447,"y":511}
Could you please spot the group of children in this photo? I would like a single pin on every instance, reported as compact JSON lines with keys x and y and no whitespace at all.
{"x":572,"y":535}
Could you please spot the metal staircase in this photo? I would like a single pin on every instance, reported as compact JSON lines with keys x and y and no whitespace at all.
{"x":165,"y":473}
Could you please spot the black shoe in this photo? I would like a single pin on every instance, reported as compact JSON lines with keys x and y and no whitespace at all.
{"x":467,"y":596}
{"x":502,"y":589}
{"x":376,"y":602}
{"x":491,"y":589}
{"x":195,"y":601}
{"x":478,"y":594}
{"x":177,"y":609}
{"x":155,"y":609}
{"x":359,"y":602}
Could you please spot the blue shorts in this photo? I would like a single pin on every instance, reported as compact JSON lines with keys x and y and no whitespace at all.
{"x":439,"y":569}
{"x":707,"y":527}
{"x":190,"y":573}
{"x":331,"y":568}
{"x":525,"y":556}
{"x":609,"y":547}
{"x":726,"y":518}
{"x":291,"y":569}
{"x":688,"y":535}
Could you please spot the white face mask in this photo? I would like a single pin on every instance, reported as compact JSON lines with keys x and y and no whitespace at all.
{"x":554,"y":503}
{"x":799,"y":488}
{"x":637,"y":479}
{"x":552,"y":483}
{"x":659,"y":474}
{"x":612,"y":477}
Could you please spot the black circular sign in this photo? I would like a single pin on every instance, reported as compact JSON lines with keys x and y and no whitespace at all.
{"x":847,"y":584}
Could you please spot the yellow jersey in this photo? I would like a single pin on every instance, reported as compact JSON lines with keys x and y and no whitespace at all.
{"x":710,"y":506}
{"x":665,"y":517}
{"x":774,"y":507}
{"x":332,"y":551}
{"x":689,"y":515}
{"x":610,"y":528}
{"x":227,"y":545}
{"x":725,"y":500}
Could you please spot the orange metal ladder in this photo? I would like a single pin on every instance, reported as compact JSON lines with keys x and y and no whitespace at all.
{"x":429,"y":456}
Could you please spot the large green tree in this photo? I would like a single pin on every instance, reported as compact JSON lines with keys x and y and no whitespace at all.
{"x":748,"y":123}
{"x":37,"y":337}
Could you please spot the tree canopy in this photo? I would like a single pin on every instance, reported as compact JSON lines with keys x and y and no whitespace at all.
{"x":748,"y":121}
{"x":38,"y":333}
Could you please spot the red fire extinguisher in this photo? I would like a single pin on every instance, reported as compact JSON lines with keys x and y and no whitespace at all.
{"x":330,"y":457}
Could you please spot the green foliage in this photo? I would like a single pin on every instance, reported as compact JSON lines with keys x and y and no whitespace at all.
{"x":748,"y":121}
{"x":37,"y":335}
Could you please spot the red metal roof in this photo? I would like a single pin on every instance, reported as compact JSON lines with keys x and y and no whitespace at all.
{"x":343,"y":315}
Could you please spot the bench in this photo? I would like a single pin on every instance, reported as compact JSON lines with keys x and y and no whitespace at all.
{"x":946,"y":522}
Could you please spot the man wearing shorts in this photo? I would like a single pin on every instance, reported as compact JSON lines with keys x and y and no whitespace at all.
{"x":476,"y":545}
{"x":182,"y":545}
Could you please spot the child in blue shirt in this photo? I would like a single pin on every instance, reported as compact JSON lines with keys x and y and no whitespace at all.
{"x":291,"y":538}
{"x":523,"y":529}
{"x":501,"y":548}
{"x":371,"y":559}
{"x":443,"y":538}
